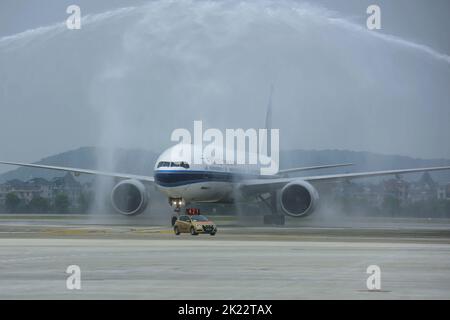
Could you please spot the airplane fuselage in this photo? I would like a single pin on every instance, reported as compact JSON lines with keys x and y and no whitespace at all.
{"x":177,"y":177}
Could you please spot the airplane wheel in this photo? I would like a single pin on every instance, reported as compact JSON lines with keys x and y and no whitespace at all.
{"x":193,"y":232}
{"x":176,"y":230}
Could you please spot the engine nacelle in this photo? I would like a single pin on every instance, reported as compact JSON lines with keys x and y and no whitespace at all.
{"x":129,"y":197}
{"x":298,"y":198}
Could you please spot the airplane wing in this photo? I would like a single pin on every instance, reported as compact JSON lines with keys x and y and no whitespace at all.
{"x":85,"y":171}
{"x":267,"y":185}
{"x":314,"y":168}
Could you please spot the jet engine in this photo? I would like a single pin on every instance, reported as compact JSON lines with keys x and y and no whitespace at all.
{"x":298,"y":198}
{"x":129,"y":197}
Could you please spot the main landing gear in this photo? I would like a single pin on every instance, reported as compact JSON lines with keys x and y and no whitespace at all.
{"x":275,"y":218}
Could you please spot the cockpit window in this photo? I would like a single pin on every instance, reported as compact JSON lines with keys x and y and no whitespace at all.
{"x":173,"y":164}
{"x":180,"y":164}
{"x":184,"y":165}
{"x":163,"y":164}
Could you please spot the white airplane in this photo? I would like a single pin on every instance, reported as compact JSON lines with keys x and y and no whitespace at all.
{"x":184,"y":182}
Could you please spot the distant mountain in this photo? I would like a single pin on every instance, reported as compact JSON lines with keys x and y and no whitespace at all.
{"x":126,"y":161}
{"x":142,"y":162}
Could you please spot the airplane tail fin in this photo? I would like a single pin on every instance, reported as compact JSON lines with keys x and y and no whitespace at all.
{"x":268,"y":124}
{"x":269,"y":111}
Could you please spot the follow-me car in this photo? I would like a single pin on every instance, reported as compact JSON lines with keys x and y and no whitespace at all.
{"x":194,"y":224}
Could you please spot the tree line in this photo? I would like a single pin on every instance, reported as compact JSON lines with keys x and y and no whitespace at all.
{"x":391,"y":206}
{"x":61,"y":203}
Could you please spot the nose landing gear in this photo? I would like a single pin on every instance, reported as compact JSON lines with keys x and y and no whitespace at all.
{"x":176,"y":204}
{"x":174,"y":219}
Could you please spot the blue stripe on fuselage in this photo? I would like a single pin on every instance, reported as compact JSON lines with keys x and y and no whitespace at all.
{"x":175,"y":178}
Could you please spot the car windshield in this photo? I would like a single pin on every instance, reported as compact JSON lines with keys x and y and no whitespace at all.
{"x":199,"y":218}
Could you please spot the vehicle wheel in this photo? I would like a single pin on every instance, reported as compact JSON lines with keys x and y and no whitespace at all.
{"x":176,"y":230}
{"x":213,"y":233}
{"x":193,"y":232}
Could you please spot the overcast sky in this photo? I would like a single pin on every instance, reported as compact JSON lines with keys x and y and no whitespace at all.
{"x":137,"y":70}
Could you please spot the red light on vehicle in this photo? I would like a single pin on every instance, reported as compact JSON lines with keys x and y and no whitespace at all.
{"x":192,"y":211}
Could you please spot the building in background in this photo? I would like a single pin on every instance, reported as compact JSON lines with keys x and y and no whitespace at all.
{"x":39,"y":187}
{"x":443,"y":192}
